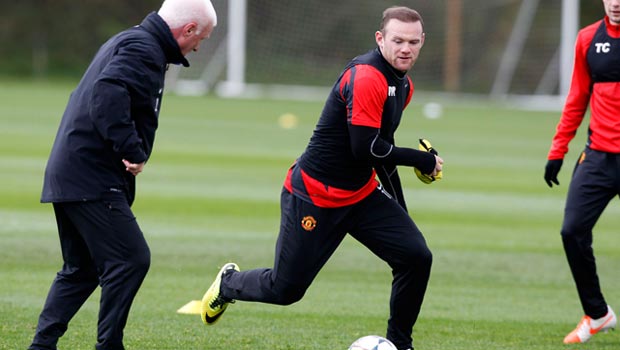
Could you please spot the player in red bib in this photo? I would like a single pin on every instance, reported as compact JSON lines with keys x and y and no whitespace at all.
{"x":332,"y":190}
{"x":596,"y":177}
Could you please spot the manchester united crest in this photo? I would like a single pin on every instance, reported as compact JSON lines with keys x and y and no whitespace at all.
{"x":308,"y":223}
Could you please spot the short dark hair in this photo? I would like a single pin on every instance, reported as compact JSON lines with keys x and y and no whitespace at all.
{"x":400,"y":13}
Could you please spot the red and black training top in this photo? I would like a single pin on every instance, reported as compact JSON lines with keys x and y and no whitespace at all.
{"x":595,"y":81}
{"x":353,"y":141}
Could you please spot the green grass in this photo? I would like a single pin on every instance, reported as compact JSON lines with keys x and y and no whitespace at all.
{"x":210,"y":194}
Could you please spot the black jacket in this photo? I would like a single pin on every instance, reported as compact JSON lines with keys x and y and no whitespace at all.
{"x":354,"y":137}
{"x":112,"y":115}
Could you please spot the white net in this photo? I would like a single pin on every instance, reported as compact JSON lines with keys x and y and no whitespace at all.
{"x":472,"y":46}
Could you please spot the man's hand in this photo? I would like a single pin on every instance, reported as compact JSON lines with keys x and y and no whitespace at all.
{"x":551,"y":171}
{"x":133,"y":168}
{"x":438,"y":167}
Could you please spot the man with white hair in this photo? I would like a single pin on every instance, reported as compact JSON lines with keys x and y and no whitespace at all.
{"x":104,"y":140}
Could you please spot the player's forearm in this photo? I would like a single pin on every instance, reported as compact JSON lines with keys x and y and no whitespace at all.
{"x":367,"y":144}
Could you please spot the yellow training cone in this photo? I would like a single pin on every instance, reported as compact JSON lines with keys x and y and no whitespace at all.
{"x":191,"y":308}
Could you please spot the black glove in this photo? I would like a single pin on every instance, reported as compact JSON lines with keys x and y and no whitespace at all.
{"x":551,"y":171}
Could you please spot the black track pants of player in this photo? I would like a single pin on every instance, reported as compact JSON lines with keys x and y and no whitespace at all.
{"x":596,"y":180}
{"x":302,"y":249}
{"x":101,"y":244}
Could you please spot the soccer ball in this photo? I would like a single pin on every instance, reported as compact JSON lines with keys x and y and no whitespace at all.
{"x":372,"y":342}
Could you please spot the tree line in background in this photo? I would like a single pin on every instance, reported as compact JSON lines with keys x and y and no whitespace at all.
{"x":57,"y":38}
{"x":44,"y":38}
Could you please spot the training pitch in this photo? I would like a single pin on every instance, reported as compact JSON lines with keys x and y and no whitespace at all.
{"x":209,"y":195}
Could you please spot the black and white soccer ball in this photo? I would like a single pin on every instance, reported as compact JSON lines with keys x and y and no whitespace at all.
{"x":372,"y":342}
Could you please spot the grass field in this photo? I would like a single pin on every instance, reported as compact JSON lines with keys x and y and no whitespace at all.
{"x":210,"y":195}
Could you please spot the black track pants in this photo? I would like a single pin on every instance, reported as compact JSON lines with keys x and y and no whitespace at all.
{"x":595,"y":182}
{"x":102,"y":245}
{"x":309,"y":235}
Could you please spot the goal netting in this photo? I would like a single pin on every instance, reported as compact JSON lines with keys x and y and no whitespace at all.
{"x":275,"y":48}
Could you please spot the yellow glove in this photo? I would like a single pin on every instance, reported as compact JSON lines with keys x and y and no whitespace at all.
{"x":426,"y":146}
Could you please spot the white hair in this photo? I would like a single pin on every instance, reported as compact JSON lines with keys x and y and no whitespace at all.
{"x":178,"y":13}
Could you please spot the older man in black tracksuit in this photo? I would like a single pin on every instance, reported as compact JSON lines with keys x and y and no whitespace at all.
{"x":105,"y":137}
